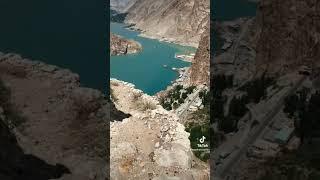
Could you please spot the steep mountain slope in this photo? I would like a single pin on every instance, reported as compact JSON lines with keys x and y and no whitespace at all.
{"x":180,"y":21}
{"x":200,"y":68}
{"x":121,"y":5}
{"x":289,"y":35}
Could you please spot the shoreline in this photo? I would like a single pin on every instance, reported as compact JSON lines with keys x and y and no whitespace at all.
{"x":131,"y":27}
{"x":167,"y":40}
{"x":183,"y":73}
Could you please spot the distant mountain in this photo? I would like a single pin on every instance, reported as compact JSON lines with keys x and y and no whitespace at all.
{"x":121,"y":5}
{"x":117,"y":17}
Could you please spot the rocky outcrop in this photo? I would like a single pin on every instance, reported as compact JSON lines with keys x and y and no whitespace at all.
{"x":150,"y":144}
{"x":63,"y":122}
{"x":179,"y":21}
{"x":200,"y":68}
{"x":289,"y":35}
{"x":121,"y":46}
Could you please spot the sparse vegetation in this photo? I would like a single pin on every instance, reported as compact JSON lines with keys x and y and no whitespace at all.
{"x":257,"y":88}
{"x":304,"y":107}
{"x":254,"y":91}
{"x":203,"y":115}
{"x":201,"y":127}
{"x":146,"y":105}
{"x":197,"y":131}
{"x":176,"y":96}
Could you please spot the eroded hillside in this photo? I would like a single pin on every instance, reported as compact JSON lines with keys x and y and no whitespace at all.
{"x":180,"y":21}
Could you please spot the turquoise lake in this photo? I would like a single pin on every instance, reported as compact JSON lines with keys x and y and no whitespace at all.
{"x":146,"y":69}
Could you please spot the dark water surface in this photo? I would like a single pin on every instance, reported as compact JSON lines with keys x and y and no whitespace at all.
{"x":224,"y":10}
{"x":68,"y":33}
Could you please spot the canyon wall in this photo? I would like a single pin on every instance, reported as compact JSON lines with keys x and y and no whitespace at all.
{"x":289,"y":35}
{"x":200,"y":68}
{"x":179,"y":21}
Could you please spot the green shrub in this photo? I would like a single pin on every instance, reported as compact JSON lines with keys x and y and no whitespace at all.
{"x":184,"y":95}
{"x":175,"y":105}
{"x":180,"y":101}
{"x":196,"y":132}
{"x":147,"y":105}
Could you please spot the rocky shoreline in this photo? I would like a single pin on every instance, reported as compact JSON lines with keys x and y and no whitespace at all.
{"x":121,"y":46}
{"x":168,"y":40}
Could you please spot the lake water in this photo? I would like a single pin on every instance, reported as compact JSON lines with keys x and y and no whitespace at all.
{"x":72,"y":34}
{"x":146,"y":69}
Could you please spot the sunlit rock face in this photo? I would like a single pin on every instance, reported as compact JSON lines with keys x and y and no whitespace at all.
{"x":180,"y":21}
{"x":121,"y":5}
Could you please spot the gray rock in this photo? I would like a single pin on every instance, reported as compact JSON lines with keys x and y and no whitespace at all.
{"x":49,"y":68}
{"x":169,"y":158}
{"x":165,"y":128}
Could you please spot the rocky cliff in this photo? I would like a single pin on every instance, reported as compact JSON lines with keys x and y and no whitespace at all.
{"x":59,"y":121}
{"x":289,"y":35}
{"x":200,"y":68}
{"x":151,"y":143}
{"x":179,"y":21}
{"x":15,"y":164}
{"x":121,"y":46}
{"x":283,"y":37}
